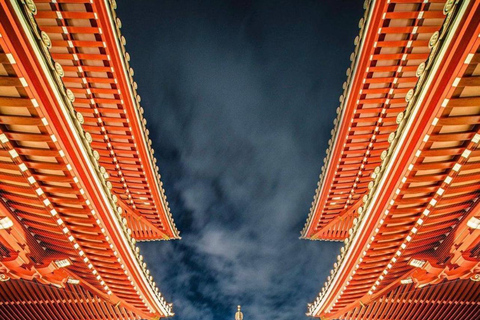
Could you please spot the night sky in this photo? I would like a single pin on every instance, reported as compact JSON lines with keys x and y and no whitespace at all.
{"x":240,"y":97}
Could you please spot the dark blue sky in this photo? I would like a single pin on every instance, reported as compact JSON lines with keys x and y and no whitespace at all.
{"x":240,"y":97}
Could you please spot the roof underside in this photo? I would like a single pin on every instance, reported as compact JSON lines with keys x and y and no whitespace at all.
{"x":105,"y":95}
{"x":31,"y":139}
{"x":417,"y":231}
{"x":60,"y":212}
{"x":393,"y":48}
{"x":27,"y":300}
{"x":458,"y":299}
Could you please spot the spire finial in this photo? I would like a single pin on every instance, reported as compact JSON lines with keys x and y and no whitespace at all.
{"x":239,"y":314}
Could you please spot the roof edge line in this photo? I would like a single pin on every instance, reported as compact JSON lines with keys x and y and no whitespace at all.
{"x":136,"y":103}
{"x":388,"y":160}
{"x":327,"y":163}
{"x":63,"y":98}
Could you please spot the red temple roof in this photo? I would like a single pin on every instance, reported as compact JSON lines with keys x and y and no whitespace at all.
{"x":86,"y":41}
{"x":415,"y":230}
{"x":78,"y":184}
{"x":393,"y":42}
{"x":22,"y":300}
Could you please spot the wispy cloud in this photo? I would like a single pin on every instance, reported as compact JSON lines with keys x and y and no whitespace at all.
{"x":240,"y":98}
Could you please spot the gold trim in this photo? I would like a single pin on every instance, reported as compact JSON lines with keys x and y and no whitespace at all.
{"x":76,"y":119}
{"x":354,"y":58}
{"x":121,"y":42}
{"x":401,"y":120}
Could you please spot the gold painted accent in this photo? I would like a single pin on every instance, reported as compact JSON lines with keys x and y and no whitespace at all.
{"x":88,"y":137}
{"x":4,"y":277}
{"x":96,"y":155}
{"x":46,"y":40}
{"x":79,"y":116}
{"x":31,"y":6}
{"x":384,"y":154}
{"x":361,"y":23}
{"x":448,"y":6}
{"x":391,"y":137}
{"x":420,"y":69}
{"x":59,"y":70}
{"x":409,"y":95}
{"x":433,"y":39}
{"x":33,"y":23}
{"x":70,"y":95}
{"x":400,"y":117}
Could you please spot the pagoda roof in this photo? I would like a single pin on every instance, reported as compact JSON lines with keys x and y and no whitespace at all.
{"x":416,"y":230}
{"x":392,"y":43}
{"x":26,"y":300}
{"x":456,"y":299}
{"x":85,"y":39}
{"x":62,"y":222}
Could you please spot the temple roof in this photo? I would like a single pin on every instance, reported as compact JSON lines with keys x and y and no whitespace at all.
{"x":86,"y":41}
{"x":64,"y":221}
{"x":415,"y":224}
{"x":22,"y":300}
{"x":392,"y":43}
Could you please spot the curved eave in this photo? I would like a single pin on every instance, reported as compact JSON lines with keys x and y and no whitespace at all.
{"x":113,"y":26}
{"x":339,"y":132}
{"x":88,"y":168}
{"x":86,"y":41}
{"x":443,"y":56}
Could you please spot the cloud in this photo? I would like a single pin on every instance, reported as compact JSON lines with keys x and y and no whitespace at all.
{"x":239,"y":97}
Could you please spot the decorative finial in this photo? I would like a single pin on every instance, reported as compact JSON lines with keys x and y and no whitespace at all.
{"x":239,"y":314}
